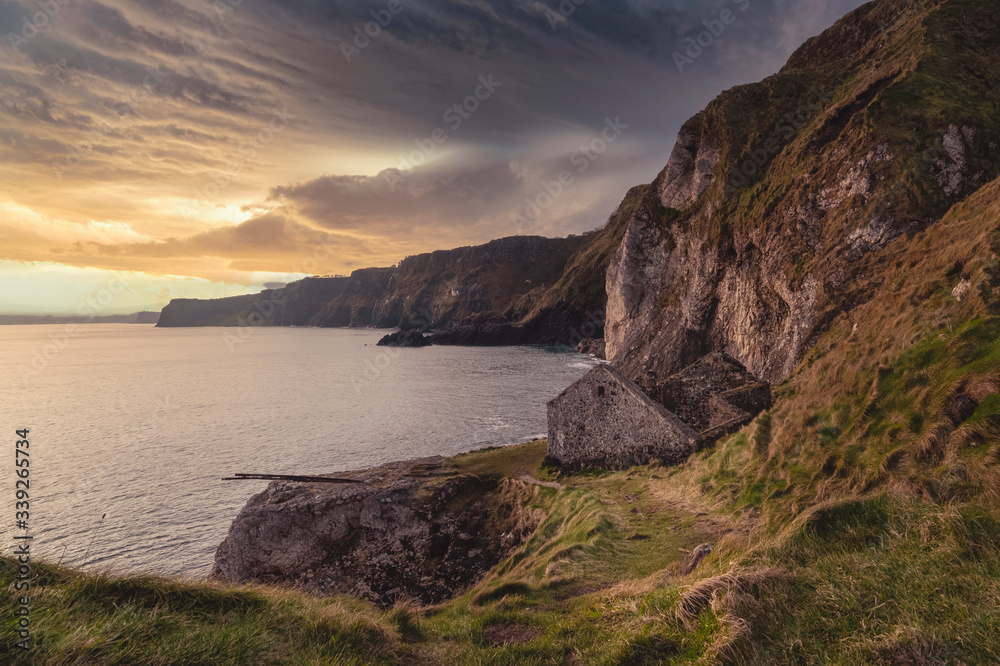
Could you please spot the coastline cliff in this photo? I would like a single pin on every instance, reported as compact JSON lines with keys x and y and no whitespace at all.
{"x":785,"y":202}
{"x":522,"y":289}
{"x":422,"y":530}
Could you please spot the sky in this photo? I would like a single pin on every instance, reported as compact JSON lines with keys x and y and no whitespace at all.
{"x":156,"y":149}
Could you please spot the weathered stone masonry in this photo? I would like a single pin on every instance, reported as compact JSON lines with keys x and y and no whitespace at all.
{"x":607,"y":421}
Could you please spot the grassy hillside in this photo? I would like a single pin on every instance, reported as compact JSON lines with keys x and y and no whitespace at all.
{"x":856,"y":522}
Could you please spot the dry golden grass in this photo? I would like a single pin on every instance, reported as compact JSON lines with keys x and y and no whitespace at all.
{"x":702,"y":594}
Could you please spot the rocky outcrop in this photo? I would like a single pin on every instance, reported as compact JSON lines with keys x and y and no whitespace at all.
{"x":689,"y":171}
{"x":418,"y":530}
{"x":782,"y":203}
{"x":592,"y":347}
{"x":404,"y":339}
{"x":674,"y":295}
{"x":694,"y":558}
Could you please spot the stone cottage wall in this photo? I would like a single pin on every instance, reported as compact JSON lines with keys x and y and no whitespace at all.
{"x":605,"y":421}
{"x":753,"y":399}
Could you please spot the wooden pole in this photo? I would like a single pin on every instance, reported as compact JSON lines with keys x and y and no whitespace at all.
{"x":289,"y":477}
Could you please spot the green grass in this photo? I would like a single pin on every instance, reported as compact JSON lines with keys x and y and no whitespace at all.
{"x":568,"y":591}
{"x":864,"y":579}
{"x":104,"y":619}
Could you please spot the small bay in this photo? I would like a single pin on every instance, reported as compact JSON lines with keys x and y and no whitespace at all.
{"x":139,"y":424}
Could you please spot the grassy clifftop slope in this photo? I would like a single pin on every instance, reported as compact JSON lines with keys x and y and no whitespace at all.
{"x":858,"y":521}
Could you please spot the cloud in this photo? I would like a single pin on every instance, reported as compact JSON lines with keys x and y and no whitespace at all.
{"x":157,"y":116}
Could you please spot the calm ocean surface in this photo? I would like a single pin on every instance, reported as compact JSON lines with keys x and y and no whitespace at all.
{"x":140,"y":424}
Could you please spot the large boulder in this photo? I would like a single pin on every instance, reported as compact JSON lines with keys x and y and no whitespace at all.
{"x":418,"y":530}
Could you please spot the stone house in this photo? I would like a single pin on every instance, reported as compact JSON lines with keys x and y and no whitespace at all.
{"x":607,"y":421}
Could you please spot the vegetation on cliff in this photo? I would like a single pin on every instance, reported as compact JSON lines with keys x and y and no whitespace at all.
{"x":858,"y":521}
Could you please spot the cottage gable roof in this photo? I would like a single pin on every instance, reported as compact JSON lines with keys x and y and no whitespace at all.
{"x":696,"y":393}
{"x":611,"y":374}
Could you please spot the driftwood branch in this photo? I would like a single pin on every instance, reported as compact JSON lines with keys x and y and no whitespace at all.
{"x":289,"y":477}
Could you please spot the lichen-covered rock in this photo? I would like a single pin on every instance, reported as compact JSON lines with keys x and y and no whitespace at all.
{"x":417,"y":530}
{"x":695,"y":557}
{"x":689,"y":170}
{"x":674,"y":296}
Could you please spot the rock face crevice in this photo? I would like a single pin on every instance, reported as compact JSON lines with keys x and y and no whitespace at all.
{"x":670,"y":302}
{"x":418,"y":530}
{"x":690,"y":169}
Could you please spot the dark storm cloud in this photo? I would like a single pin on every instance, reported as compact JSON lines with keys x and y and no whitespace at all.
{"x":359,"y":110}
{"x":268,"y":234}
{"x":454,"y":197}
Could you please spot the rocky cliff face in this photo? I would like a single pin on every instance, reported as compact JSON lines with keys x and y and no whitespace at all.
{"x":567,"y":312}
{"x":295,"y":305}
{"x":213,"y":312}
{"x":357,"y":305}
{"x":299,"y":302}
{"x":523,"y":289}
{"x":415,"y":530}
{"x":779,"y":200}
{"x":455,"y":288}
